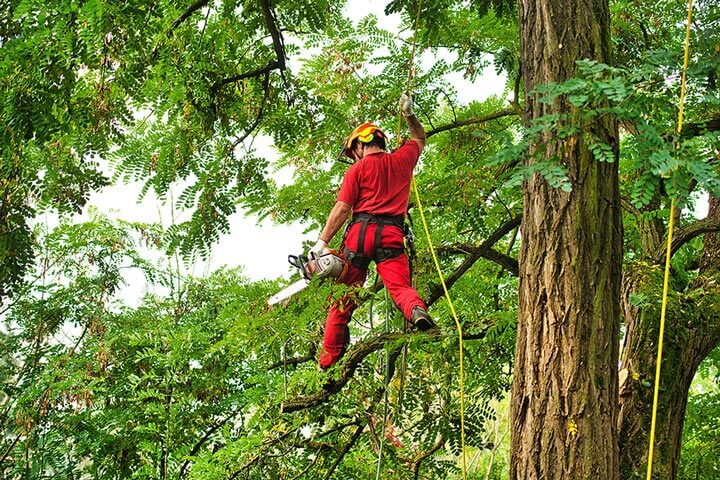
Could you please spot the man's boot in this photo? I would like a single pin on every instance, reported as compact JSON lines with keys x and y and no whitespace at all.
{"x":421,"y":320}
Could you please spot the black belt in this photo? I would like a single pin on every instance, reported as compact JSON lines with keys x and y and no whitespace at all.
{"x":359,"y":259}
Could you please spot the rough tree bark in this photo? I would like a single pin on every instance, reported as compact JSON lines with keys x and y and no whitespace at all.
{"x":692,"y":331}
{"x":564,"y":396}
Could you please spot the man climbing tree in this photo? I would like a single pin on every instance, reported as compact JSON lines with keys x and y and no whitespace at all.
{"x":564,"y":396}
{"x":376,"y":190}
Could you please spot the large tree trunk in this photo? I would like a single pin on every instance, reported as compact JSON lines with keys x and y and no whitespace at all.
{"x":565,"y":394}
{"x":692,"y":331}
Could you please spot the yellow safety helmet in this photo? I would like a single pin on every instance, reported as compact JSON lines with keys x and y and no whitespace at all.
{"x":364,"y":134}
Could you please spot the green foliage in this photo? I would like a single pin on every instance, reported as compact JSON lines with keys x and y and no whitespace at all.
{"x":700,"y":444}
{"x":136,"y":82}
{"x":188,"y":383}
{"x":600,"y":91}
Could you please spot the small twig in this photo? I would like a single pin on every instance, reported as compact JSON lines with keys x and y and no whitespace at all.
{"x":292,"y":361}
{"x":418,"y":461}
{"x":338,"y":428}
{"x":452,"y":105}
{"x":201,"y":442}
{"x":191,"y":9}
{"x":260,"y":455}
{"x":251,"y":128}
{"x":306,"y":469}
{"x":345,"y":450}
{"x":9,"y":449}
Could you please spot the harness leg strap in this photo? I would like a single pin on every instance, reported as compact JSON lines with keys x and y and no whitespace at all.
{"x":382,"y":254}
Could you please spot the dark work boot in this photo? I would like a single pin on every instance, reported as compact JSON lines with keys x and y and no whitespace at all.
{"x":421,"y":320}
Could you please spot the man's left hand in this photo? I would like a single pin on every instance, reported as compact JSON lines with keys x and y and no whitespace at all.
{"x":406,"y":105}
{"x":319,"y":249}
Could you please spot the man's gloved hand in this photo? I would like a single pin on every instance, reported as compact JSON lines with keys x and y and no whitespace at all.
{"x":406,"y":104}
{"x":319,"y":249}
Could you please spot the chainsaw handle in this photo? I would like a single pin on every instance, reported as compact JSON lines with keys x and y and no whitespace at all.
{"x":300,"y":262}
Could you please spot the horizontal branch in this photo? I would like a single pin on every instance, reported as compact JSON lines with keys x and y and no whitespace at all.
{"x":292,"y":361}
{"x":685,"y":234}
{"x":275,"y":65}
{"x":698,"y":128}
{"x":471,"y":121}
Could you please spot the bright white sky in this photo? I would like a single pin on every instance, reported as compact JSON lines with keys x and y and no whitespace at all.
{"x":261,"y":248}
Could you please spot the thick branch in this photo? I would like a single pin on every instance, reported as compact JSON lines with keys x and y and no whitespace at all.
{"x":191,"y":9}
{"x":471,"y":121}
{"x":687,"y":233}
{"x":484,"y":250}
{"x":352,"y":360}
{"x":347,"y":368}
{"x":696,"y":129}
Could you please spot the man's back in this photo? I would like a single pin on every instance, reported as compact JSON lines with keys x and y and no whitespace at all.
{"x":380,"y":183}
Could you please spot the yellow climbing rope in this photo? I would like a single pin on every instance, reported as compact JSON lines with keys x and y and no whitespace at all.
{"x":437,"y":264}
{"x":668,"y":255}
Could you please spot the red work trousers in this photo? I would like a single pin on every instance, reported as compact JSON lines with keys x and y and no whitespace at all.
{"x":395,"y":274}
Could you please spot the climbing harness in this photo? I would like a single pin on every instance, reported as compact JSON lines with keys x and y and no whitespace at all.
{"x":359,"y":258}
{"x":668,"y":252}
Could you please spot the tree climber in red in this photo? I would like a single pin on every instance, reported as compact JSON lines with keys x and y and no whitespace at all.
{"x":376,"y":190}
